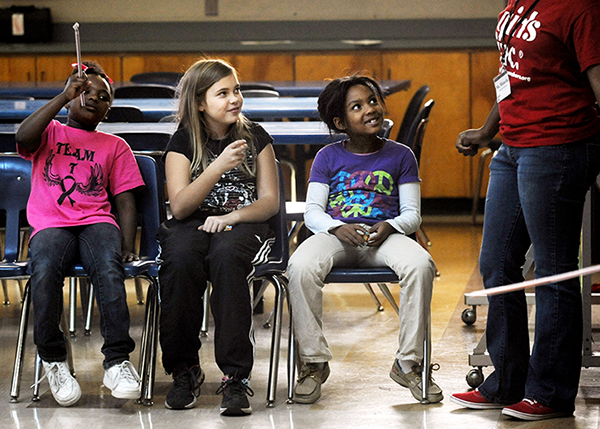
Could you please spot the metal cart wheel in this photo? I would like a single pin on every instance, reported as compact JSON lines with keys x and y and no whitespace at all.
{"x":469,"y":315}
{"x":475,"y":377}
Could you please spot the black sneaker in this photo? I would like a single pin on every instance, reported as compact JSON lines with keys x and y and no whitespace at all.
{"x":235,"y":402}
{"x":185,"y":389}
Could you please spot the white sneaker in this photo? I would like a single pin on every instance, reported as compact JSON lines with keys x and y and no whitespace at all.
{"x":123,"y":380}
{"x":64,"y":387}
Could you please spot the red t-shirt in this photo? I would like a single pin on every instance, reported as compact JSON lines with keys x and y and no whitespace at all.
{"x":551,"y":100}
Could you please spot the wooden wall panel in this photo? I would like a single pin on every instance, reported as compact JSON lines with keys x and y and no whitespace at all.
{"x":133,"y":64}
{"x":257,"y":67}
{"x":56,"y":68}
{"x":251,"y":67}
{"x":17,"y":69}
{"x":444,"y":171}
{"x":333,"y":65}
{"x":484,"y":67}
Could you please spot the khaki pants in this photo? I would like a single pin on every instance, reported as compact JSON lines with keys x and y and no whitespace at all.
{"x":314,"y":259}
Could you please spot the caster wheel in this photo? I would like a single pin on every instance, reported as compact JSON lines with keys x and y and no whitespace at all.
{"x":475,"y":377}
{"x":469,"y":316}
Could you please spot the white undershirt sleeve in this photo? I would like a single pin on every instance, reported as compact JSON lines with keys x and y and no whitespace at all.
{"x":409,"y":219}
{"x":315,"y":216}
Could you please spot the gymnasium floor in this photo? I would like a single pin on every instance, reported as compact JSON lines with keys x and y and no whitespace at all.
{"x":359,"y":392}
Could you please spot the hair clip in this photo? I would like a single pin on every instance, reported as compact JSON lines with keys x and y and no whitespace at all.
{"x":84,"y":68}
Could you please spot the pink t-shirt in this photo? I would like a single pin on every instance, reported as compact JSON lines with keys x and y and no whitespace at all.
{"x":73,"y":173}
{"x":551,"y":100}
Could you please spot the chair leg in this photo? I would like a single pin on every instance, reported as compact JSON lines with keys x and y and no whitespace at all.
{"x":64,"y":327}
{"x":388,"y":295}
{"x":372,"y":293}
{"x":90,"y":310}
{"x":206,"y":304}
{"x":139,"y":291}
{"x":36,"y":378}
{"x":72,"y":305}
{"x":280,"y":296}
{"x":149,"y":345}
{"x":21,"y":288}
{"x":5,"y":290}
{"x":15,"y":386}
{"x":426,"y":365}
{"x":424,"y":237}
{"x":258,"y":296}
{"x":291,"y":363}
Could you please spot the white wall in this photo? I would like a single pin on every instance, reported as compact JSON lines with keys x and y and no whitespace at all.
{"x":261,"y":10}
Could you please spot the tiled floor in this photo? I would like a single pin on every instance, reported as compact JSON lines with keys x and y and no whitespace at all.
{"x":359,"y":392}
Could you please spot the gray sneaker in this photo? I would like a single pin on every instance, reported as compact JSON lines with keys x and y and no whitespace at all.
{"x":412,"y":380}
{"x":308,"y":388}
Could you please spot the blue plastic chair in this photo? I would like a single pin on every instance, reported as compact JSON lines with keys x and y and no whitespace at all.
{"x":146,"y":90}
{"x":15,"y":182}
{"x":414,"y":106}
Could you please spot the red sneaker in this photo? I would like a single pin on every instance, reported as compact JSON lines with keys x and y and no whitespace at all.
{"x":474,"y":400}
{"x":528,"y":409}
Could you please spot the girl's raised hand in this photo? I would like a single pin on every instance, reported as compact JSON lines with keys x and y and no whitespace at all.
{"x":232,"y":156}
{"x":351,"y":233}
{"x":76,"y":85}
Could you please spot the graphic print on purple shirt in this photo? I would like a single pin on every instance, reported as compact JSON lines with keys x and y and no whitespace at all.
{"x":361,"y":194}
{"x":363,"y":188}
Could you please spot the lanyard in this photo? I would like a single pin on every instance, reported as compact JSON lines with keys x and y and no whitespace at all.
{"x":514,"y":29}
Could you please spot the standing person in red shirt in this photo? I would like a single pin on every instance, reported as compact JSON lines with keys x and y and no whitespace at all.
{"x":548,"y":83}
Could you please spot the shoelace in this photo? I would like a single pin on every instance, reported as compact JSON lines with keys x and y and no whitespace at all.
{"x":432,"y":367}
{"x":235,"y":387}
{"x":308,"y":370}
{"x":127,"y":372}
{"x":57,"y":375}
{"x":184,"y":379}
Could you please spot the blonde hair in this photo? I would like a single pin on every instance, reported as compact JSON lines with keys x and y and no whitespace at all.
{"x":191,"y":91}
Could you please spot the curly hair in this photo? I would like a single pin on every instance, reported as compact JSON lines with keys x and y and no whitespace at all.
{"x":333,"y":97}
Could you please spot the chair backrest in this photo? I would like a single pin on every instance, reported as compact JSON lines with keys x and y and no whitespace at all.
{"x":152,"y":142}
{"x":280,"y":252}
{"x":150,"y":205}
{"x":7,"y":142}
{"x":244,"y":86}
{"x":411,"y":113}
{"x":163,"y":78}
{"x":22,"y":97}
{"x":417,"y":130}
{"x":124,"y":114}
{"x":386,"y":129}
{"x":145,"y":91}
{"x":259,"y":93}
{"x":15,"y":182}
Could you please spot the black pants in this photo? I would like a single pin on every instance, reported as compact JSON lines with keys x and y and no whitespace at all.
{"x":188,"y":259}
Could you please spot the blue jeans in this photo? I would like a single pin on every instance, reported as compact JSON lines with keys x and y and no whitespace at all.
{"x":536,"y":196}
{"x":98,"y":248}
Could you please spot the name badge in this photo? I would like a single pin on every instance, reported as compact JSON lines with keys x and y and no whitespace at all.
{"x":502,"y":84}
